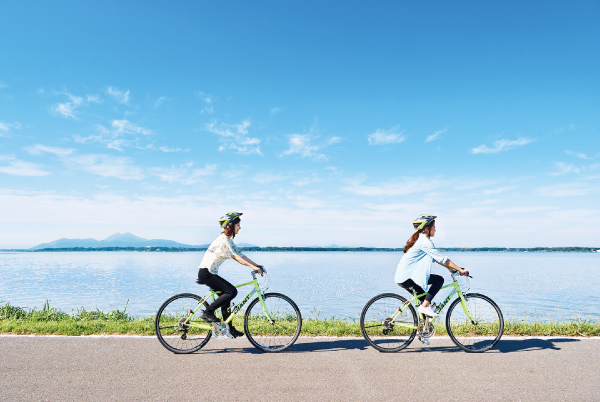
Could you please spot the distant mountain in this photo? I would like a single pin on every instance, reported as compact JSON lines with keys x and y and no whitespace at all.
{"x":116,"y":240}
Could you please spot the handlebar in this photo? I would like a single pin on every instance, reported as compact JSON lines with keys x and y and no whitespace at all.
{"x":455,"y":272}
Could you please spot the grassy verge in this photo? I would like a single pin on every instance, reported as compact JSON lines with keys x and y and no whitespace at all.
{"x":49,"y":320}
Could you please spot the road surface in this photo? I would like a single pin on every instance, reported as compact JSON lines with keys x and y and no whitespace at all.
{"x":96,"y":368}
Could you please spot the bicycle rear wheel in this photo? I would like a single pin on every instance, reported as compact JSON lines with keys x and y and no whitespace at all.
{"x":378,"y":328}
{"x":480,"y":333}
{"x":173,"y":328}
{"x":278,"y":334}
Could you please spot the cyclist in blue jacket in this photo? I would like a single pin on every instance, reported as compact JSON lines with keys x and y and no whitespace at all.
{"x":414,"y":268}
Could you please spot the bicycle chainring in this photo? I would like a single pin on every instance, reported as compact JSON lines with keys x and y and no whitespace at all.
{"x":426,"y":329}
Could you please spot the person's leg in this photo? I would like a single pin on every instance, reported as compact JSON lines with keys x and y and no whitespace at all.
{"x":410,"y":285}
{"x":228,"y":292}
{"x":436,"y":282}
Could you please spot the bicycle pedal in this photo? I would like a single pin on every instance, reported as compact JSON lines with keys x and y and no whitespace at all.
{"x":424,"y":340}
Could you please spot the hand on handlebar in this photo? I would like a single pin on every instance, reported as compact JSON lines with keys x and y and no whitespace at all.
{"x":259,"y":269}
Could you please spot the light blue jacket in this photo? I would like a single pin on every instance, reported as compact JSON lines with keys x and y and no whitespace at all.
{"x":416,"y":263}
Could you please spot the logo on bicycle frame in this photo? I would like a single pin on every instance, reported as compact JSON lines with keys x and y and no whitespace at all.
{"x":239,"y":306}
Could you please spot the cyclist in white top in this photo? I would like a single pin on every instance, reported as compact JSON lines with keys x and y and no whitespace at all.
{"x":221,"y":249}
{"x":414,"y":268}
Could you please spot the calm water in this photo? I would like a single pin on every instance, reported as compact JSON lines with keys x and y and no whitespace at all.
{"x":330,"y":284}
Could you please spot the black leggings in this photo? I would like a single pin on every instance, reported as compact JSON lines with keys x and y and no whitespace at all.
{"x":436,"y":282}
{"x":215,"y":282}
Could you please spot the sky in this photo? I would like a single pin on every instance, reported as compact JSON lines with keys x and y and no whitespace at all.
{"x":323,"y":122}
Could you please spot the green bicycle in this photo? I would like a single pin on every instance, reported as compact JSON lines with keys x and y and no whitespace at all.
{"x":272,"y":321}
{"x":474,"y":322}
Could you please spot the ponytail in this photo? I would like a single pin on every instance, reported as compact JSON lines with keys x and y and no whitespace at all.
{"x":411,"y":241}
{"x":415,"y":237}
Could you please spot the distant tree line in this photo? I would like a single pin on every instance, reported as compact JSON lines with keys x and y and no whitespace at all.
{"x":324,"y":249}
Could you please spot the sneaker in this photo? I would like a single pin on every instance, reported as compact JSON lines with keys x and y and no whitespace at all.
{"x":233,"y":331}
{"x":427,"y":311}
{"x":209,"y":316}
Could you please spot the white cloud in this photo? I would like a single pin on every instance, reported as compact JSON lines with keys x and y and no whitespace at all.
{"x":105,"y":165}
{"x":120,"y":96}
{"x":564,"y":168}
{"x":565,"y":190}
{"x":390,"y":189}
{"x":265,"y":178}
{"x":435,"y":135}
{"x":300,"y":144}
{"x":303,"y":146}
{"x":184,"y":174}
{"x":68,"y":109}
{"x":578,"y":155}
{"x":6,"y":128}
{"x":122,"y":134}
{"x":14,"y":167}
{"x":39,"y":149}
{"x":501,"y":145}
{"x":167,"y":149}
{"x":383,"y":137}
{"x":235,"y":136}
{"x":275,"y":110}
{"x":161,"y":100}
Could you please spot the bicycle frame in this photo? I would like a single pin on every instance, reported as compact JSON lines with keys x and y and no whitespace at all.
{"x":211,"y":294}
{"x":456,"y":290}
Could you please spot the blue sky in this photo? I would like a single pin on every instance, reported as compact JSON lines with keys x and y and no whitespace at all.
{"x":324,"y":122}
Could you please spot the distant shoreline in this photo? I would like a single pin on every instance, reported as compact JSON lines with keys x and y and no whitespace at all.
{"x":317,"y":249}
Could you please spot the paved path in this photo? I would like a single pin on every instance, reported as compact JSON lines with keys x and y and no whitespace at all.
{"x":315,"y":369}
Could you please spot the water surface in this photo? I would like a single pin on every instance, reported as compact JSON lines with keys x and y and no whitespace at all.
{"x":328,"y":284}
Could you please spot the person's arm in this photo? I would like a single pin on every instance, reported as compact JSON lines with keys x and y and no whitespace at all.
{"x":248,"y":262}
{"x":450,"y":265}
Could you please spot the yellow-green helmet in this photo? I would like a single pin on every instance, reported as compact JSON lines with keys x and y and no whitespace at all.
{"x":422,"y":221}
{"x":228,"y":218}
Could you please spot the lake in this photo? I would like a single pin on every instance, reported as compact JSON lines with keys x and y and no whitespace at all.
{"x":544,"y":286}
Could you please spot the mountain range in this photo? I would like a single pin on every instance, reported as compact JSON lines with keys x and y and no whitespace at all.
{"x":119,"y":240}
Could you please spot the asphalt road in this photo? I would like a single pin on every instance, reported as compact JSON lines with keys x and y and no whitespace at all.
{"x":314,"y":369}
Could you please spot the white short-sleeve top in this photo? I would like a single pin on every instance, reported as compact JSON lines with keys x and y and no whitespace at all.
{"x":219,"y":250}
{"x":416,"y":263}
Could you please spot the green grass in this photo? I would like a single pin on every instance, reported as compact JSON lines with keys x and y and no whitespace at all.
{"x":50,"y":320}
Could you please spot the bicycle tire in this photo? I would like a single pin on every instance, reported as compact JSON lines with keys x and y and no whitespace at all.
{"x":480,"y":336}
{"x":273,"y":336}
{"x":382,"y":336}
{"x":175,"y":337}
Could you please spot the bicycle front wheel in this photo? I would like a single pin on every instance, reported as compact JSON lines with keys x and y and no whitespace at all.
{"x":480,"y":329}
{"x":275,"y":327}
{"x":177,"y":328}
{"x":384,"y":326}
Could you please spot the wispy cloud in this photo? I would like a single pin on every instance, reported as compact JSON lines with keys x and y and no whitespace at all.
{"x":158,"y":103}
{"x":208,"y":107}
{"x":564,"y":168}
{"x":105,"y":165}
{"x":396,"y":188}
{"x":39,"y":149}
{"x":68,"y":109}
{"x":384,"y":137}
{"x":578,"y":155}
{"x":15,"y":167}
{"x":302,"y":145}
{"x":235,"y":136}
{"x":122,"y":133}
{"x":275,"y":110}
{"x":264,"y":178}
{"x":119,"y":95}
{"x":435,"y":135}
{"x":501,"y":145}
{"x":565,"y":190}
{"x":6,"y":128}
{"x":184,"y":174}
